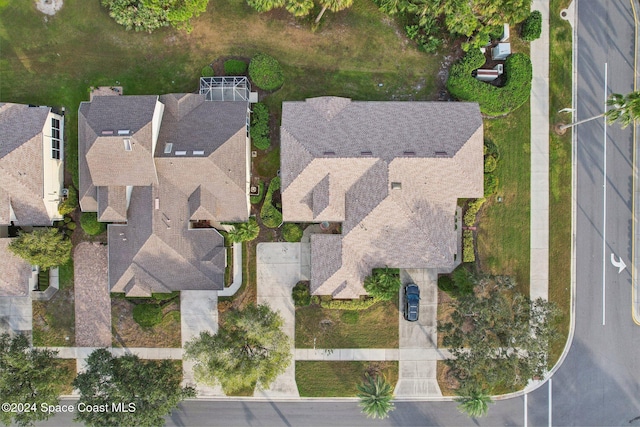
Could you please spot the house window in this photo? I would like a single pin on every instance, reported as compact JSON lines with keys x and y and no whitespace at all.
{"x":55,"y":139}
{"x":127,"y":144}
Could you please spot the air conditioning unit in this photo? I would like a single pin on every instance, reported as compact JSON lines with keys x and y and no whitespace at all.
{"x":65,"y":192}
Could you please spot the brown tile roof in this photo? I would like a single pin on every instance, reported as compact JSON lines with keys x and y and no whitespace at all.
{"x":14,"y":272}
{"x":21,"y":164}
{"x":393,"y":172}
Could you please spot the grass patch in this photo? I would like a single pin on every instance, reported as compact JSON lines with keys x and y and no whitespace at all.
{"x":127,"y":333}
{"x":377,"y":327}
{"x":339,"y":379}
{"x":503,"y":228}
{"x":267,"y":164}
{"x":560,"y":82}
{"x":54,"y":320}
{"x":71,"y":366}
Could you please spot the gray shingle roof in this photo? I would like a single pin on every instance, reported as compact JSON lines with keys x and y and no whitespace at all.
{"x":21,"y":164}
{"x":393,"y":172}
{"x":14,"y":272}
{"x":112,"y":204}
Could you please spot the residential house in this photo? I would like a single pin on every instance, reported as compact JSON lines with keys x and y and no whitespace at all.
{"x":390,"y":172}
{"x":31,"y":183}
{"x":164,"y":171}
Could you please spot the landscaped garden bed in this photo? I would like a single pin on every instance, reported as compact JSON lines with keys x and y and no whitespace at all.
{"x":128,"y":333}
{"x":339,"y":379}
{"x":54,"y":320}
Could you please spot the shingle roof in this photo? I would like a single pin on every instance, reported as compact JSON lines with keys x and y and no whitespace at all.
{"x":14,"y":272}
{"x":21,"y":164}
{"x":393,"y":172}
{"x":112,"y":204}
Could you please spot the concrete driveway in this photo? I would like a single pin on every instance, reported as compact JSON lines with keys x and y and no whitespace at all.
{"x":279,"y":267}
{"x":16,"y":314}
{"x":417,"y":377}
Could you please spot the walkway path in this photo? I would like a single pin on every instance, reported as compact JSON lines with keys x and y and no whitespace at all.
{"x":237,"y":272}
{"x":373,"y":354}
{"x":278,"y":270}
{"x":539,"y":261}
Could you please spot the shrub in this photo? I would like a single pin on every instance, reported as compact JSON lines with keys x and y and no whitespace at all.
{"x":301,"y":295}
{"x":468,"y":254}
{"x":384,"y":283}
{"x":70,"y":203}
{"x":235,"y":67}
{"x":207,"y":71}
{"x":260,"y":126}
{"x":71,"y":226}
{"x":350,"y":317}
{"x":491,"y":149}
{"x":493,"y":100}
{"x":165,"y":296}
{"x":472,"y":210}
{"x":463,"y":281}
{"x":257,"y":199}
{"x":90,"y":225}
{"x":266,"y":72}
{"x":150,"y":15}
{"x":531,"y":27}
{"x":244,"y":231}
{"x":346,"y":304}
{"x":490,"y":184}
{"x":271,"y":217}
{"x":490,"y":164}
{"x":292,"y":232}
{"x":147,"y":315}
{"x":445,"y":284}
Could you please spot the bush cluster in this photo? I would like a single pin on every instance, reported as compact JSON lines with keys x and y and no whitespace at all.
{"x":70,"y":203}
{"x":207,"y":71}
{"x":347,"y":304}
{"x":291,"y":232}
{"x":384,"y":283}
{"x":90,"y":225}
{"x":459,"y":283}
{"x":531,"y":27}
{"x":271,"y":216}
{"x":468,"y":254}
{"x":260,"y":126}
{"x":235,"y":67}
{"x":266,"y":72}
{"x":147,"y":315}
{"x":493,"y":100}
{"x":257,"y":199}
{"x":490,"y":184}
{"x":473,"y":207}
{"x":301,"y":295}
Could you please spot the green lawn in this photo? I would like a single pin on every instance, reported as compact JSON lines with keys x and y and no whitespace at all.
{"x":71,"y":366}
{"x":54,"y":320}
{"x":376,"y":327}
{"x":560,"y":172}
{"x":339,"y":379}
{"x":503,"y":233}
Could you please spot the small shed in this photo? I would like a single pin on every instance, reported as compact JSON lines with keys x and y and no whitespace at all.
{"x":501,"y":51}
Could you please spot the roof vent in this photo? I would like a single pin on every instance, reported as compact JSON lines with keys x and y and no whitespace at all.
{"x":409,"y":153}
{"x":168,"y":147}
{"x":106,"y":132}
{"x":127,"y":144}
{"x":366,"y":153}
{"x":124,"y":132}
{"x":396,"y":185}
{"x":441,"y":154}
{"x":198,"y":152}
{"x":329,"y":153}
{"x":181,"y":153}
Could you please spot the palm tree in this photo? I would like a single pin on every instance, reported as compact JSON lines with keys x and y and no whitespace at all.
{"x":375,"y":397}
{"x":265,"y":5}
{"x":473,"y":402}
{"x":626,"y":109}
{"x":299,"y":7}
{"x":333,"y":5}
{"x":384,"y":283}
{"x":244,"y":231}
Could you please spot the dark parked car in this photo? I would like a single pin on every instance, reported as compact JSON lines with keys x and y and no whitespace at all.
{"x":411,"y":302}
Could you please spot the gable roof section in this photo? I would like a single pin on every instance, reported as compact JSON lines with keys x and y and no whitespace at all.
{"x":112,"y":204}
{"x":21,"y":164}
{"x":399,"y":168}
{"x":14,"y":272}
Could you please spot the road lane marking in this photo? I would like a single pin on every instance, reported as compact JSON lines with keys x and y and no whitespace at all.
{"x":550,"y":400}
{"x":604,"y":202}
{"x":619,"y":263}
{"x":525,"y":410}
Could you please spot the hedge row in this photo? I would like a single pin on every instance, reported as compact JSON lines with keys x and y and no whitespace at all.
{"x":493,"y":100}
{"x":474,"y":206}
{"x":347,"y":304}
{"x":271,"y":216}
{"x":260,"y":126}
{"x":468,"y":254}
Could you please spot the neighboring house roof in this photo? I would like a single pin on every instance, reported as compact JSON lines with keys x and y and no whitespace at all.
{"x":200,"y":165}
{"x":390,"y":172}
{"x":14,"y":272}
{"x":21,"y":164}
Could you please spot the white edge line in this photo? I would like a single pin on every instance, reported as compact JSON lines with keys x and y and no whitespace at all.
{"x":604,"y":203}
{"x":550,"y":404}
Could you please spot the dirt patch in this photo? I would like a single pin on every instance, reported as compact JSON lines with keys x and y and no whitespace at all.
{"x":54,"y":320}
{"x":448,"y":384}
{"x":445,"y":308}
{"x":127,"y":333}
{"x":49,"y":7}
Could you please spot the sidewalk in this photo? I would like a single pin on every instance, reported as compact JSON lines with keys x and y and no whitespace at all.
{"x":539,"y":260}
{"x":373,"y":354}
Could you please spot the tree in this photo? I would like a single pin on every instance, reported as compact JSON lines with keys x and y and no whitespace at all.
{"x":498,"y":338}
{"x":333,"y":5}
{"x":265,"y":5}
{"x":383,"y":284}
{"x":375,"y":395}
{"x":149,"y":390}
{"x":473,"y":402}
{"x":45,"y":247}
{"x":244,"y":231}
{"x":626,"y":110}
{"x":28,"y":376}
{"x":249,"y":350}
{"x":148,"y":15}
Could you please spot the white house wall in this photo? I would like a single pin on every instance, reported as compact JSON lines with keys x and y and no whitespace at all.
{"x":52,"y":169}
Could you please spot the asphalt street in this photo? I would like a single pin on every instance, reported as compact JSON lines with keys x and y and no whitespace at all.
{"x":598,"y":383}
